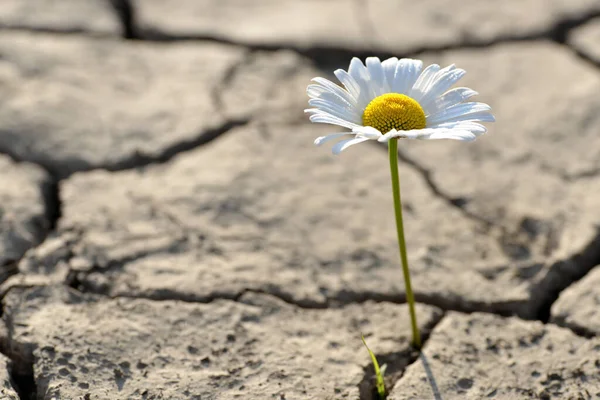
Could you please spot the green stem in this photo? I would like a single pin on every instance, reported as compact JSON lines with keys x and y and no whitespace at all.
{"x":410,"y":298}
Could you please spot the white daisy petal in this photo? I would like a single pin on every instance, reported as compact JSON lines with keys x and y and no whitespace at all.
{"x":414,"y":133}
{"x":422,"y":84}
{"x":316,"y":91}
{"x":483,"y":116}
{"x":367,"y":132}
{"x":337,"y":110}
{"x":442,"y":84}
{"x":407,"y":72}
{"x":319,"y":92}
{"x":329,"y":98}
{"x":331,"y":108}
{"x":442,"y":72}
{"x":333,"y":88}
{"x":474,"y":127}
{"x":324,"y":139}
{"x":356,"y":89}
{"x":361,"y":75}
{"x":458,"y":111}
{"x":390,"y":135}
{"x":377,"y":76}
{"x":349,"y":83}
{"x":433,"y":133}
{"x":344,"y":144}
{"x":358,"y":70}
{"x":325,"y":118}
{"x":389,"y":70}
{"x":448,"y":99}
{"x":326,"y":83}
{"x":454,"y":134}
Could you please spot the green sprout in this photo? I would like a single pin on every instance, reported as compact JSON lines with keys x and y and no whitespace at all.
{"x":380,"y":384}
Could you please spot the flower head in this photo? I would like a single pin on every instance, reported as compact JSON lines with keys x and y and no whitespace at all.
{"x":396,"y":99}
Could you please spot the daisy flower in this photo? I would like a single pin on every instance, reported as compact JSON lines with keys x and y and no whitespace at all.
{"x":391,"y":100}
{"x":396,"y":99}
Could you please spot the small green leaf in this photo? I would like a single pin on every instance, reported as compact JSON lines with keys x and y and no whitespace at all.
{"x":378,"y":371}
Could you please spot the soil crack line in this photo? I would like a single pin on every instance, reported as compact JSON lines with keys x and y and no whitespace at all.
{"x":590,"y":173}
{"x":325,"y":55}
{"x":55,"y":31}
{"x":126,"y":14}
{"x":563,"y":274}
{"x":396,"y":364}
{"x":136,"y":160}
{"x":21,"y":364}
{"x":125,"y":11}
{"x":22,"y":379}
{"x":50,"y":192}
{"x":142,"y":160}
{"x":228,"y":76}
{"x":456,"y":202}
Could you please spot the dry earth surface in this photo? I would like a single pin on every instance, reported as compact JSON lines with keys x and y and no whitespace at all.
{"x":168,"y":230}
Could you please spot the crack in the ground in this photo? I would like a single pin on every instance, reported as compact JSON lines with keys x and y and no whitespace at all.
{"x":84,"y":282}
{"x":324,"y":55}
{"x":228,"y":76}
{"x":21,"y":364}
{"x":501,"y":233}
{"x":396,"y":364}
{"x":589,"y":173}
{"x":563,"y":274}
{"x":167,"y":154}
{"x":455,"y":202}
{"x":137,"y":160}
{"x":586,"y":174}
{"x":52,"y":204}
{"x":51,"y":189}
{"x":126,"y":14}
{"x":563,"y":29}
{"x":43,"y":30}
{"x":50,"y":192}
{"x":582,"y":55}
{"x":560,"y":275}
{"x":577,"y":329}
{"x":81,"y":282}
{"x":23,"y":380}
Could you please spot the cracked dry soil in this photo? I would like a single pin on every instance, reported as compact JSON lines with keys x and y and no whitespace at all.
{"x":168,"y":230}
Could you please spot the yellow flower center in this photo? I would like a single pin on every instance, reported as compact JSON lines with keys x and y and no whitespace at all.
{"x":394,"y":111}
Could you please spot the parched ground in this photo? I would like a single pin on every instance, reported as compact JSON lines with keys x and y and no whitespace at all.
{"x":169,"y":231}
